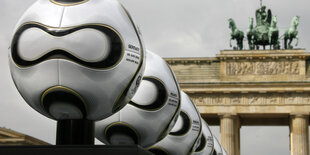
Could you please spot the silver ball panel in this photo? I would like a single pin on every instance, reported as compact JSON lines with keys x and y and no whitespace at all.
{"x":88,"y":44}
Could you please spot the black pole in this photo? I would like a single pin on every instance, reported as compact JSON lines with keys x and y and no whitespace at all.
{"x":75,"y":132}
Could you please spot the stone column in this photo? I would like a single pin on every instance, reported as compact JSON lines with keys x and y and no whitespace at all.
{"x":229,"y":130}
{"x":237,"y":139}
{"x":299,"y":136}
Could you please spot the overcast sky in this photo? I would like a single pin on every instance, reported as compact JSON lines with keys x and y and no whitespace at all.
{"x":171,"y":28}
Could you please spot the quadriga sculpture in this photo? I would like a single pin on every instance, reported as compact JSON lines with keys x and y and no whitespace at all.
{"x":265,"y":32}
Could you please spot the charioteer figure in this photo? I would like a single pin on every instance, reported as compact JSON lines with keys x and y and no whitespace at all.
{"x":263,"y":23}
{"x":262,"y":17}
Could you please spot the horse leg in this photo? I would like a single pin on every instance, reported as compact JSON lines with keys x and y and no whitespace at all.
{"x":289,"y":44}
{"x":239,"y":43}
{"x":270,"y":45}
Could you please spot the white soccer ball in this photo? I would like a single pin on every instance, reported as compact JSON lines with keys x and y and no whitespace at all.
{"x":184,"y":137}
{"x":206,"y":145}
{"x":151,"y":113}
{"x":74,"y":59}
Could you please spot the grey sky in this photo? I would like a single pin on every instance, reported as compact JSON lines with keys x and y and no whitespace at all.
{"x":173,"y":28}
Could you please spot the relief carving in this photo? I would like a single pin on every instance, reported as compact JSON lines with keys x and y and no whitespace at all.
{"x":235,"y":99}
{"x":198,"y":99}
{"x":306,"y":99}
{"x":290,"y":98}
{"x":252,"y":99}
{"x":272,"y":99}
{"x":263,"y":68}
{"x":201,"y":99}
{"x":218,"y":100}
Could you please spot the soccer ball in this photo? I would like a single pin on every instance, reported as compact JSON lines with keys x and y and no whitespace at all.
{"x":206,"y":145}
{"x":184,"y":138}
{"x":151,"y":113}
{"x":77,"y":59}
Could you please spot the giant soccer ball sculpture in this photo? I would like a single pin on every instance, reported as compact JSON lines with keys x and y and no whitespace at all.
{"x":76,"y":59}
{"x":184,"y":138}
{"x":151,"y":113}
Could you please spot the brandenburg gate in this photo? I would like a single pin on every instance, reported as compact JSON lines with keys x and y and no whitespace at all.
{"x":248,"y":88}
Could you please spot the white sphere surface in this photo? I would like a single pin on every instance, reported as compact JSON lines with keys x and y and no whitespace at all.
{"x":77,"y":59}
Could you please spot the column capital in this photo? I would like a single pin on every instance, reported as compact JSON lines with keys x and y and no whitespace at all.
{"x":228,"y":115}
{"x":299,"y":115}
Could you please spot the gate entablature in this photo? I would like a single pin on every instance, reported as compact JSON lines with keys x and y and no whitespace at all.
{"x":244,"y":82}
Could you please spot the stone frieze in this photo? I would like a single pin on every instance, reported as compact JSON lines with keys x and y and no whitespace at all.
{"x":262,"y":68}
{"x":252,"y":99}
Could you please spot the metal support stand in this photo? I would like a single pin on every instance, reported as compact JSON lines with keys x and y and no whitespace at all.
{"x":75,"y":132}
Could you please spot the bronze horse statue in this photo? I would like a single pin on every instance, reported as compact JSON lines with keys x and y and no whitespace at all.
{"x":235,"y":34}
{"x":273,"y":34}
{"x":251,"y":35}
{"x":291,"y":34}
